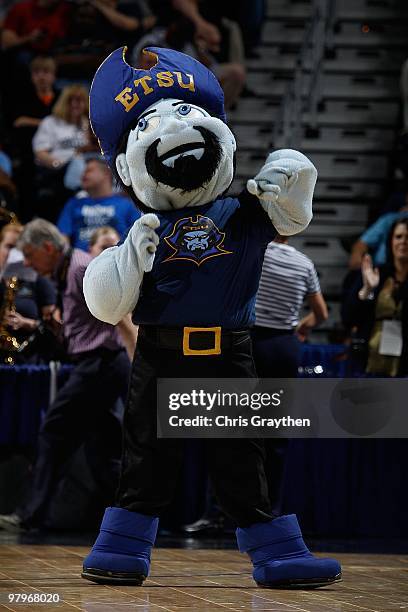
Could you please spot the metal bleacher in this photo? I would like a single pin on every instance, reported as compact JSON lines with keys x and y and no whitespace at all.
{"x":348,"y":105}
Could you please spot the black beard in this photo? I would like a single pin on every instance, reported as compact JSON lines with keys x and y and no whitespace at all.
{"x":188,"y":173}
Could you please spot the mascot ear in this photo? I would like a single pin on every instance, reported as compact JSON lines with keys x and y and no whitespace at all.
{"x":123,"y":169}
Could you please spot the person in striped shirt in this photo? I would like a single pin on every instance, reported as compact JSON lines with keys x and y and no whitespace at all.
{"x":288,"y":277}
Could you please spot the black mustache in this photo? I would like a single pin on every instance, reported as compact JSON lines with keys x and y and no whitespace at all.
{"x":188,"y":172}
{"x":190,"y":146}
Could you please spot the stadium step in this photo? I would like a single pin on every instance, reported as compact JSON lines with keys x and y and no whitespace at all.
{"x":359,"y":34}
{"x":261,"y":112}
{"x":349,"y":61}
{"x":351,"y":140}
{"x":373,"y":10}
{"x":332,"y":166}
{"x":338,"y":86}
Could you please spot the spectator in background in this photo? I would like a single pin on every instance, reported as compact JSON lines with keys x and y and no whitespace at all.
{"x":84,"y":409}
{"x":84,"y":213}
{"x":59,"y":137}
{"x":38,"y":99}
{"x":27,"y":112}
{"x":288,"y":277}
{"x":34,"y":299}
{"x":375,"y":237}
{"x":397,"y":199}
{"x":103,"y":238}
{"x":35,"y":25}
{"x":5,"y":163}
{"x":98,"y":27}
{"x":65,"y":131}
{"x":207,"y":33}
{"x":251,"y":17}
{"x":8,"y":240}
{"x":30,"y":27}
{"x":125,"y":16}
{"x":8,"y":189}
{"x":377,"y":306}
{"x":207,"y":18}
{"x":218,"y":45}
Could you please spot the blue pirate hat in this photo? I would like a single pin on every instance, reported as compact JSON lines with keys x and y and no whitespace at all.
{"x":120,"y":93}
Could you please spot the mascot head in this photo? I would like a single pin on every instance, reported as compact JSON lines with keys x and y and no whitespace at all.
{"x":163,"y":130}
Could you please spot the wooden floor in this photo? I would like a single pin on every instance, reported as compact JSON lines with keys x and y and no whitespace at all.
{"x":203,"y":580}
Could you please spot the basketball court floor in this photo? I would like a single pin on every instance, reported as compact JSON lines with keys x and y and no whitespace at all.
{"x":47,"y":577}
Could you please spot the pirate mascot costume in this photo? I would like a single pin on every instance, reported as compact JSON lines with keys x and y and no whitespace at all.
{"x":189,"y":271}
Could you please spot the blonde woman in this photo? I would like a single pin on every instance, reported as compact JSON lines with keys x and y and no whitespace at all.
{"x":60,"y":137}
{"x":65,"y":132}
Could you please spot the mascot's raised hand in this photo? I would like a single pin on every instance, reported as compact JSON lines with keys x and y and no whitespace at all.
{"x":145,"y":240}
{"x":114,"y":284}
{"x":285,"y":186}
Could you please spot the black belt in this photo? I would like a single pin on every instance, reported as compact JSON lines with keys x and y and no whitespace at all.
{"x":194,"y":340}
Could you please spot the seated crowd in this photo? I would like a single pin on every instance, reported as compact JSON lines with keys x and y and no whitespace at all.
{"x":50,"y":166}
{"x":50,"y":50}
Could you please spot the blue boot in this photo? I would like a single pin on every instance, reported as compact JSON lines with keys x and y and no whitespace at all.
{"x":280,"y":557}
{"x":121,"y":553}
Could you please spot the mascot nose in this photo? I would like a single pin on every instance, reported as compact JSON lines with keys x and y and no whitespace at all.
{"x":172,"y":124}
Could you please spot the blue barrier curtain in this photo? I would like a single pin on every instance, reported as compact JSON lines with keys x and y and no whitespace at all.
{"x":348,"y":488}
{"x":345,"y":488}
{"x":24,"y":392}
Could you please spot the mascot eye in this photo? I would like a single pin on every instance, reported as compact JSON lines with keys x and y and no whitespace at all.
{"x":191,"y":111}
{"x":184,"y":109}
{"x":144,"y":126}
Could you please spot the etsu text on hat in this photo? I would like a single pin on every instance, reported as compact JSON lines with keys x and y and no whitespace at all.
{"x":129,"y":97}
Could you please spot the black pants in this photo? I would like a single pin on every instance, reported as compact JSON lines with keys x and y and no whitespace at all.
{"x":277,"y":353}
{"x":83,"y":411}
{"x":151,"y":466}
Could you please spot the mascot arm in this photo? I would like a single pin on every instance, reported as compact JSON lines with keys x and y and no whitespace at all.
{"x":112,"y":280}
{"x":285,"y":187}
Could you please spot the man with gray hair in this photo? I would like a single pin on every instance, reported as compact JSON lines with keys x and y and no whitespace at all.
{"x":84,"y":409}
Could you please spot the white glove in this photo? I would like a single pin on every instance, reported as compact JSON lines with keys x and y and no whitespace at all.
{"x":285,"y":186}
{"x":145,"y":240}
{"x":112,"y":280}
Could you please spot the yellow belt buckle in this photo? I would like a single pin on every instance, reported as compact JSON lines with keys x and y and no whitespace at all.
{"x":216,"y":350}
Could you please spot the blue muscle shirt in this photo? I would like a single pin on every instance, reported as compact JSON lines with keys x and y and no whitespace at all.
{"x":207,"y":265}
{"x":80,"y":217}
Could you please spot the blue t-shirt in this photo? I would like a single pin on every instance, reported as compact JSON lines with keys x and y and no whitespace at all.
{"x":207,"y":265}
{"x":80,"y":217}
{"x":377,"y":234}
